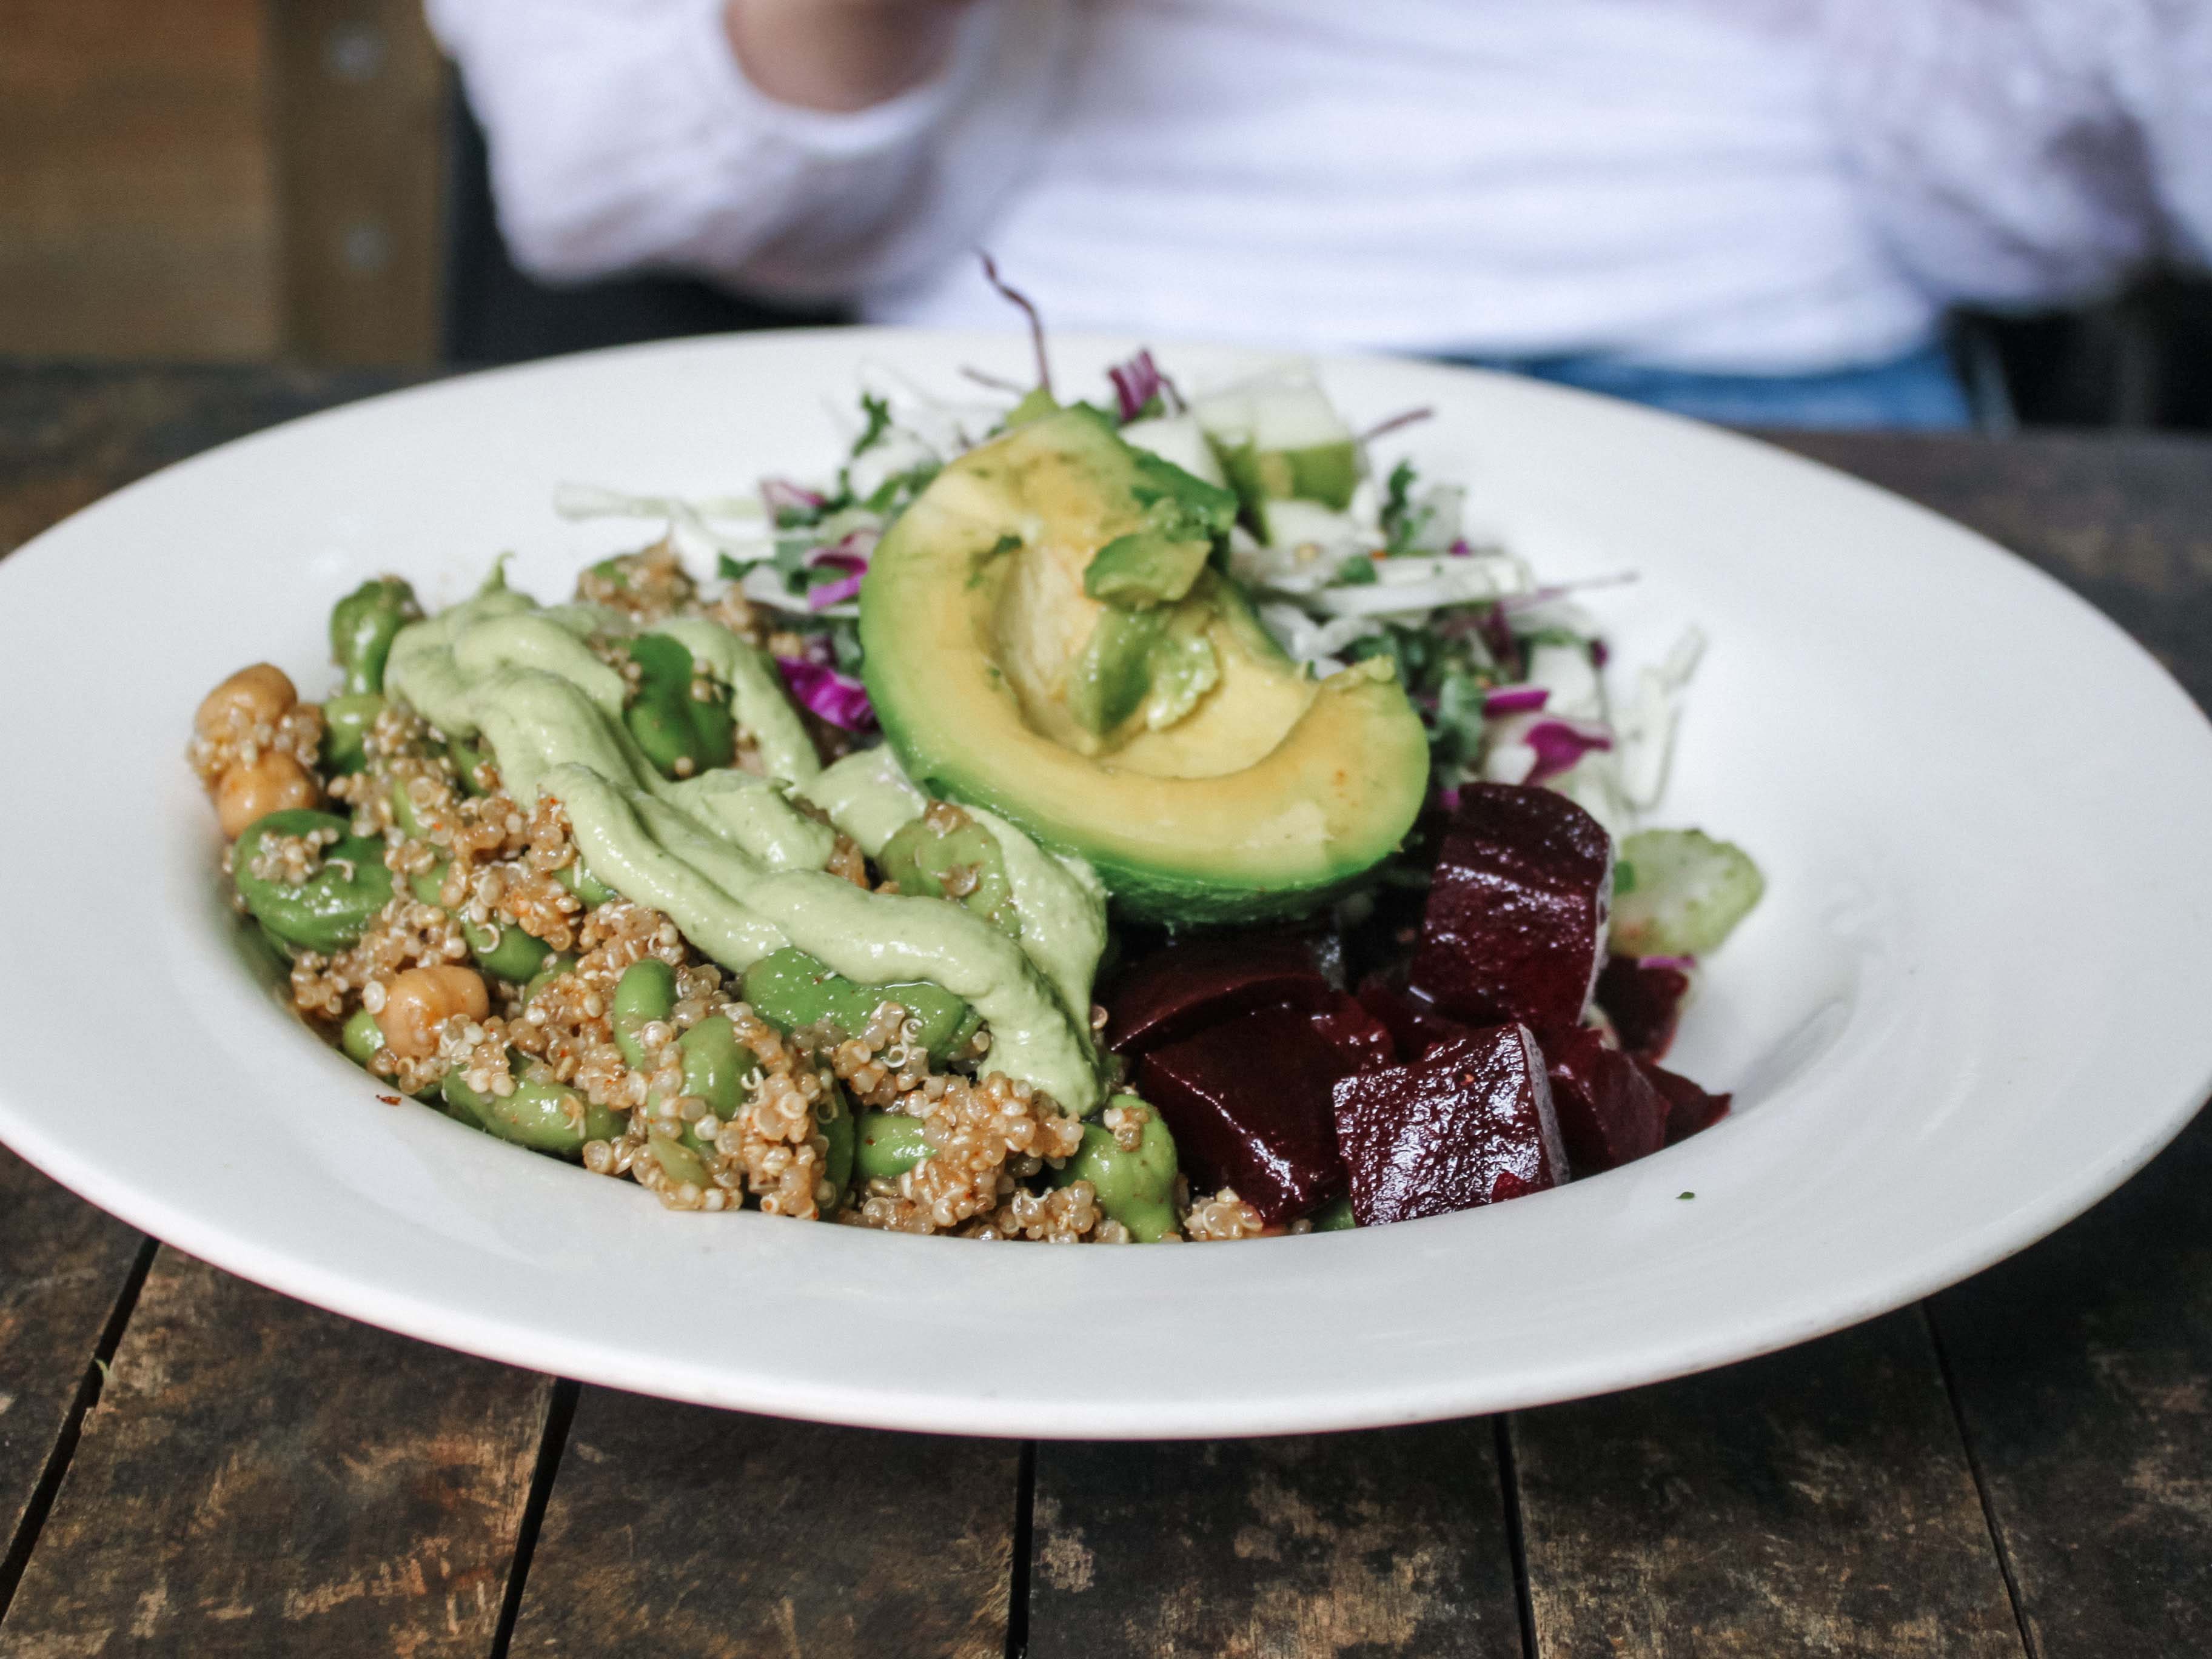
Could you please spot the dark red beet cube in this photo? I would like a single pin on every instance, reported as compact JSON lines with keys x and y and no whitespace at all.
{"x":1689,"y":1108}
{"x":1364,"y":1040}
{"x":1248,"y":1102}
{"x":1181,"y":989}
{"x":1415,"y":1023}
{"x":1471,"y":1124}
{"x":1515,"y":928}
{"x":1609,"y":1114}
{"x":1644,"y":1001}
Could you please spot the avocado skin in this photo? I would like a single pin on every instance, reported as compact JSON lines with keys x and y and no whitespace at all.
{"x":1340,"y":790}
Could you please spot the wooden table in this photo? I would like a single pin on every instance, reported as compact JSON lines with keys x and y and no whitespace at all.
{"x":190,"y":1464}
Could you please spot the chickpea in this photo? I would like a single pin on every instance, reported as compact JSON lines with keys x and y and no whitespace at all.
{"x":253,"y":790}
{"x":263,"y":694}
{"x":419,"y":1001}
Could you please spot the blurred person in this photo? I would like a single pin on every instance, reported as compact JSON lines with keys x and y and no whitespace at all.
{"x":1745,"y":210}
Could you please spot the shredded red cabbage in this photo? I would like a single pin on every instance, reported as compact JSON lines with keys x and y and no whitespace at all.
{"x":837,"y":698}
{"x":828,"y":593}
{"x":1516,"y":699}
{"x":1449,"y":799}
{"x":1559,"y":744}
{"x":1459,"y":549}
{"x":781,"y":496}
{"x":1409,"y":418}
{"x":1136,"y":383}
{"x":850,"y":551}
{"x":1015,"y":297}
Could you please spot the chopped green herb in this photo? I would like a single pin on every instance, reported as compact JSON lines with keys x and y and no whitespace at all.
{"x":878,"y":413}
{"x":1357,"y":571}
{"x":1683,"y":1195}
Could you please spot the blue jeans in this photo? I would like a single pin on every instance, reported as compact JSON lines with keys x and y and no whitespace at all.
{"x":1920,"y":389}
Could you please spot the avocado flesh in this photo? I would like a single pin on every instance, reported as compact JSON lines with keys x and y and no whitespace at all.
{"x":1262,"y":797}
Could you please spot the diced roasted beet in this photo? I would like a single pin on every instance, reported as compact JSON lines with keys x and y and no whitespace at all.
{"x":1179,"y":988}
{"x":1689,"y":1108}
{"x":1609,"y":1113}
{"x":1415,"y":1023}
{"x":1355,"y":1033}
{"x":1471,"y":1124}
{"x":1642,"y":998}
{"x":1248,"y":1102}
{"x":1515,"y":928}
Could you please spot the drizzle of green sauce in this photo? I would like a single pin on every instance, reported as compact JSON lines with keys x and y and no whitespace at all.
{"x":728,"y":857}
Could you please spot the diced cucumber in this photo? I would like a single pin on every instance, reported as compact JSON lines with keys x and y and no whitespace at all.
{"x":1281,"y":438}
{"x":1296,"y":522}
{"x":1180,"y":440}
{"x":1680,"y":893}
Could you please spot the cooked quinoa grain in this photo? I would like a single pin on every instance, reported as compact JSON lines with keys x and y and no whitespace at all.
{"x":470,"y":865}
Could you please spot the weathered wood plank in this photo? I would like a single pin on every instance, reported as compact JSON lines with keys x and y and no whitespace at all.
{"x":1817,"y":1501}
{"x":677,"y":1531}
{"x":260,"y":1478}
{"x":2084,"y":1369}
{"x":71,"y":432}
{"x":1388,"y":1543}
{"x":62,"y":1268}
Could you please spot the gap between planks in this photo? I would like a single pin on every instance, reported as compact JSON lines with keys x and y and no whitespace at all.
{"x":41,"y":1502}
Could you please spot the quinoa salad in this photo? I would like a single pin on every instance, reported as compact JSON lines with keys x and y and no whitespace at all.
{"x":1137,"y":818}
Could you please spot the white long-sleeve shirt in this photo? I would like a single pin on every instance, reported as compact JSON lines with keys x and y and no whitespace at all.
{"x":1732,"y":186}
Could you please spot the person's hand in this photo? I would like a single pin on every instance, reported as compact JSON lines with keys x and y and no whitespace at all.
{"x":840,"y":54}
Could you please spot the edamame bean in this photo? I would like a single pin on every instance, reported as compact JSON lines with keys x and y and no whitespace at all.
{"x":500,"y":948}
{"x":939,"y":856}
{"x":361,"y":1037}
{"x":327,"y":912}
{"x":553,"y":968}
{"x":789,"y":988}
{"x":466,"y":757}
{"x":887,"y":1145}
{"x":346,"y":723}
{"x":1136,"y":1188}
{"x":645,"y":993}
{"x":678,"y":1162}
{"x":583,"y":884}
{"x":1335,"y":1217}
{"x":682,"y":734}
{"x":504,"y":950}
{"x":546,"y":1117}
{"x":363,"y":625}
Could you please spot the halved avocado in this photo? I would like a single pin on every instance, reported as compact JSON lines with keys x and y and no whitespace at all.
{"x":1232,"y":788}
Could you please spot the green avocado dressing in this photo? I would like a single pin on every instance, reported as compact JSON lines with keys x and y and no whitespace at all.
{"x":729,"y":859}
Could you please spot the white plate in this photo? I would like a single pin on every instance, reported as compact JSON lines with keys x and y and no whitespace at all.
{"x":1973,"y":1002}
